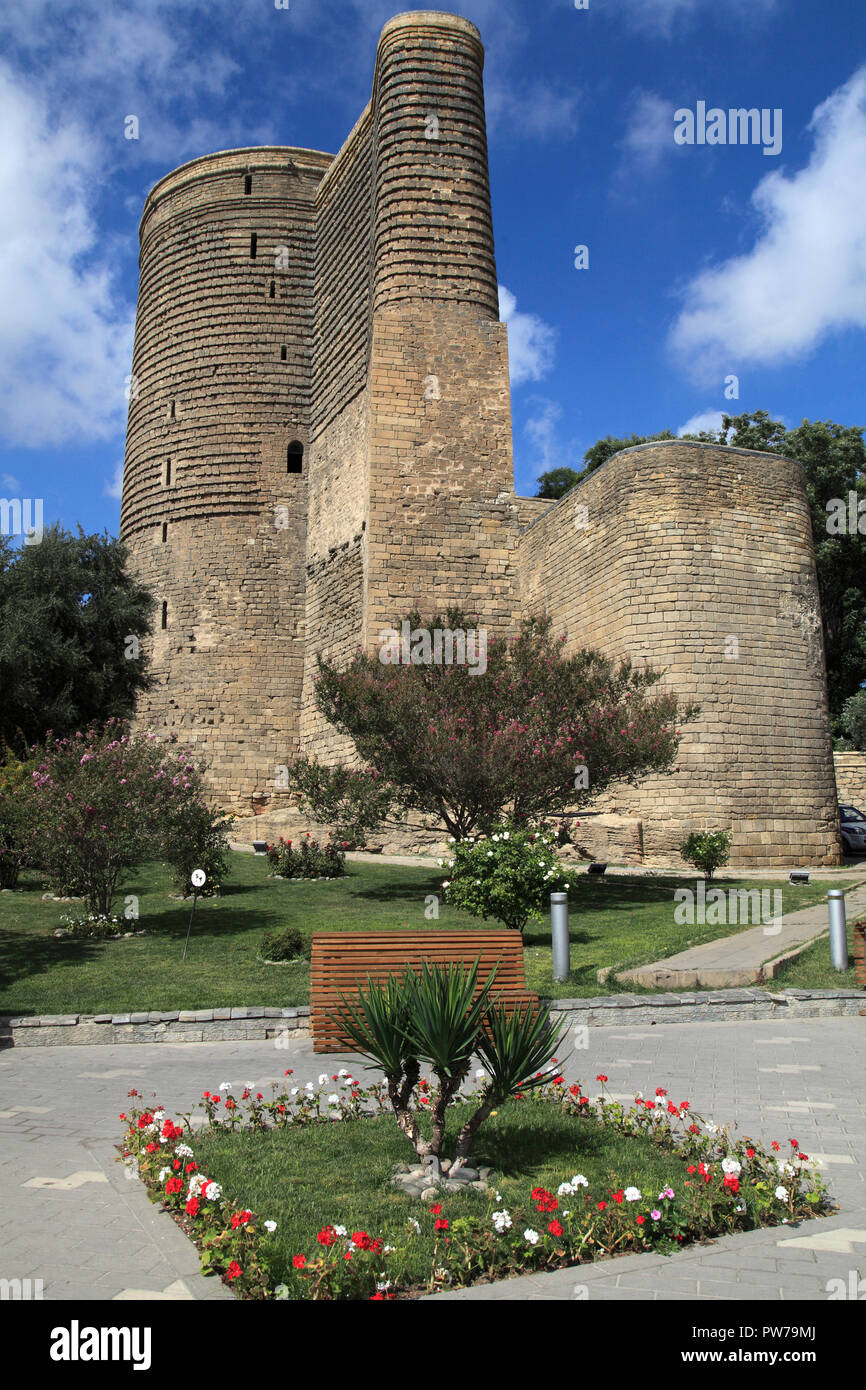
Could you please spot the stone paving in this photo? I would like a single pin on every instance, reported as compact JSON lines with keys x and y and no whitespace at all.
{"x":75,"y":1221}
{"x":731,"y":961}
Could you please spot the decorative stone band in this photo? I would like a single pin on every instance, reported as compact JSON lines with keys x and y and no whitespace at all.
{"x":279,"y":1025}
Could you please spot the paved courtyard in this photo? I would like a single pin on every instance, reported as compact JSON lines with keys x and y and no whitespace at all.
{"x":78,"y":1223}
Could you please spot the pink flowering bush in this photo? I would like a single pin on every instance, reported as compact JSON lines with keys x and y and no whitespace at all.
{"x":470,"y":747}
{"x":105,"y":800}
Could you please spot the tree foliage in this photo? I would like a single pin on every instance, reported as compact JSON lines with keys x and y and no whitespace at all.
{"x":67,"y":609}
{"x":475,"y":748}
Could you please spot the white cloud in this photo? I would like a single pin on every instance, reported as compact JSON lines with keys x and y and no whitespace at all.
{"x":65,"y":335}
{"x":541,"y":428}
{"x":698,"y":424}
{"x":805,"y":278}
{"x":114,"y":485}
{"x":530,"y":111}
{"x":10,"y":484}
{"x":531,"y":341}
{"x":669,"y":18}
{"x":649,"y":133}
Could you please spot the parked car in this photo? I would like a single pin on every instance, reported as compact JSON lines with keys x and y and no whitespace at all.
{"x":852,"y":824}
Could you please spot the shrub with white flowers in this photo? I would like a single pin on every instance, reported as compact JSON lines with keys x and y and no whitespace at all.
{"x":508,"y":875}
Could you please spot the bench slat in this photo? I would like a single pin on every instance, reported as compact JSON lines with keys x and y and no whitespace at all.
{"x":341,"y":961}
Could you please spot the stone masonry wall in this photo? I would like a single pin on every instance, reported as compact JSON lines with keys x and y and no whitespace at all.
{"x":686,"y":552}
{"x":851,"y":778}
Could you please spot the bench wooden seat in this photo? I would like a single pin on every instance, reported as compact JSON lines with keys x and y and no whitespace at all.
{"x":341,"y":961}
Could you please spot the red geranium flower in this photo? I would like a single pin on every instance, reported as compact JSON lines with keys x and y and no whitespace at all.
{"x":299,"y":1261}
{"x":554,"y":1228}
{"x":327,"y":1236}
{"x":234,"y":1270}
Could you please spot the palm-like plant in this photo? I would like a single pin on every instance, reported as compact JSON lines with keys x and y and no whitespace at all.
{"x":442,"y":1018}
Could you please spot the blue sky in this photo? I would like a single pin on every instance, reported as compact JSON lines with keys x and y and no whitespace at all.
{"x":705,"y":261}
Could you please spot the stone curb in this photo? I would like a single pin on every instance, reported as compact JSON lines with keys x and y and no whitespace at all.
{"x":169,"y":1026}
{"x":258,"y":1024}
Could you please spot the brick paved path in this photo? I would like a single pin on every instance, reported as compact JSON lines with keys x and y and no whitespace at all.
{"x":74,"y":1220}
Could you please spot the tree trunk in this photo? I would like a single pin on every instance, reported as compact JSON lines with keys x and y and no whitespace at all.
{"x":469,"y":1130}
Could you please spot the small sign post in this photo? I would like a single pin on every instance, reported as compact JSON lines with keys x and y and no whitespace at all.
{"x":197,"y":878}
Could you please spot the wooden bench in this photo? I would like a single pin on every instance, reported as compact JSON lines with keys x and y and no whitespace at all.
{"x":342,"y":961}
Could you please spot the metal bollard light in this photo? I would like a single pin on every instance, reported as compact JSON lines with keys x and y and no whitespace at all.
{"x":838,"y":929}
{"x":559,"y":932}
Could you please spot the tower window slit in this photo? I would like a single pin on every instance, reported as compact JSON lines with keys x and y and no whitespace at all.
{"x":254,"y":242}
{"x":248,"y":183}
{"x":164,"y":532}
{"x":168,"y":472}
{"x":164,"y":614}
{"x":295,"y":457}
{"x":273,"y":290}
{"x":283,"y":354}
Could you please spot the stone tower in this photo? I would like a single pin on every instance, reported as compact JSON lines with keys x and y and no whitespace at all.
{"x":319,"y":440}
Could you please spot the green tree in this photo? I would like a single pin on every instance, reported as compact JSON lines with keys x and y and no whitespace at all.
{"x":853,"y":721}
{"x":605,"y":448}
{"x":534,"y":732}
{"x":557,"y":482}
{"x":68,"y":609}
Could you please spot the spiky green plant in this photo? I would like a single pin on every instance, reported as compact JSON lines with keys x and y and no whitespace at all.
{"x":439,"y":1016}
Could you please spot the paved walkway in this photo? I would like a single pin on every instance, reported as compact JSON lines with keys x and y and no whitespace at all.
{"x":75,"y":1221}
{"x":734,"y":961}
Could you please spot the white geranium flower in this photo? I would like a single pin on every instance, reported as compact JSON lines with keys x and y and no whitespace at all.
{"x":412,"y":1222}
{"x":632,"y":1194}
{"x":270,"y":1226}
{"x":183,"y":1151}
{"x":502,"y":1221}
{"x":294,"y":1091}
{"x":730,"y":1165}
{"x":530,"y":1236}
{"x":579,"y":1180}
{"x":782,"y":1193}
{"x":323,"y":1079}
{"x":786,"y":1168}
{"x":506,"y":834}
{"x":447,"y":883}
{"x":565,"y":1189}
{"x":225,"y":1085}
{"x":164,"y":1173}
{"x":341,"y":1230}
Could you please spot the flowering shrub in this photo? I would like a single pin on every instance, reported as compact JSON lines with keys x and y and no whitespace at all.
{"x":352,"y":800}
{"x":92,"y":925}
{"x":729,"y":1184}
{"x":194,"y":837}
{"x":102,"y":802}
{"x":708,"y":850}
{"x":308,"y":859}
{"x":508,"y":875}
{"x":470,"y":748}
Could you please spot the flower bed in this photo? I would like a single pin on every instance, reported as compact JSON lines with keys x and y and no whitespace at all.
{"x":308,"y":859}
{"x":659,"y":1178}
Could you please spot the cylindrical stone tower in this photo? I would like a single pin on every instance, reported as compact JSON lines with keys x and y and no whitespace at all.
{"x":215,"y":482}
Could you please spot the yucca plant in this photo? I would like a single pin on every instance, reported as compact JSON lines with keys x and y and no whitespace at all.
{"x":440,"y":1017}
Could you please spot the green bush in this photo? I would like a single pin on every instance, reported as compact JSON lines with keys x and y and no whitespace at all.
{"x":282,"y":943}
{"x":307,"y":859}
{"x":708,"y":850}
{"x":99,"y":927}
{"x":353,"y":801}
{"x":14,"y":811}
{"x":195,"y":838}
{"x":508,"y":875}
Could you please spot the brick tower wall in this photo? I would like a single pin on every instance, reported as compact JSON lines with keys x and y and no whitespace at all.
{"x":222,"y":385}
{"x":682,"y":548}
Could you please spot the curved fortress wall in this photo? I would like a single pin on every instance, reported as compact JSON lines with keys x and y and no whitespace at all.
{"x":212,"y":514}
{"x":698,"y":559}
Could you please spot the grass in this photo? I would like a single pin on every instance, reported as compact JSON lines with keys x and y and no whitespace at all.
{"x":307,"y":1178}
{"x":616,"y":921}
{"x":814,"y":970}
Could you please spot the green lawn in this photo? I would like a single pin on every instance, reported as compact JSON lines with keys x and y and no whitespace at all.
{"x":617,"y":921}
{"x":307,"y":1178}
{"x":813,"y":970}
